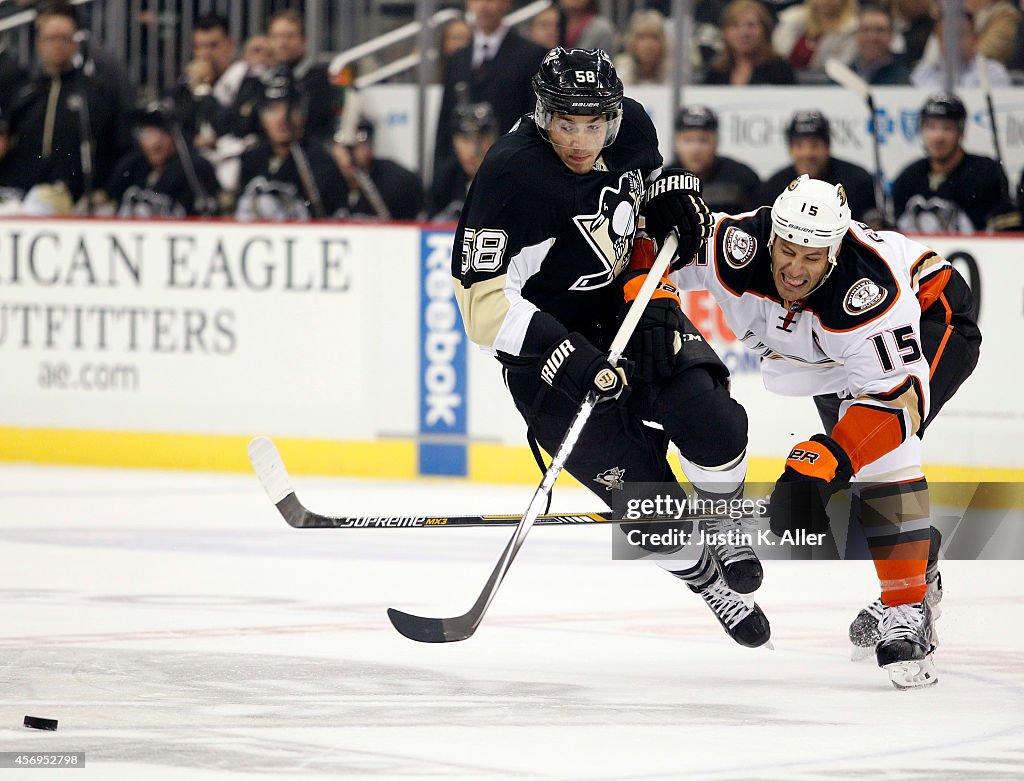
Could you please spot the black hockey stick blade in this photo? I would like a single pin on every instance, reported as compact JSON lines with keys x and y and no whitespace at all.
{"x":270,"y":469}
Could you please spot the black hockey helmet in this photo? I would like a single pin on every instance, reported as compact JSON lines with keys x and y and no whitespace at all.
{"x":696,"y":118}
{"x":945,"y":105}
{"x":808,"y":124}
{"x":474,"y":119}
{"x":578,"y":82}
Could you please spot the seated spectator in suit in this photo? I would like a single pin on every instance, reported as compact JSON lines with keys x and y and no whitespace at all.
{"x":729,"y":185}
{"x":287,"y":177}
{"x":287,"y":31}
{"x":810,"y":33}
{"x":748,"y":56}
{"x":875,"y":61}
{"x":63,"y":104}
{"x":585,"y":28}
{"x":155,"y":179}
{"x":931,"y":75}
{"x":475,"y":130}
{"x":810,"y":148}
{"x":645,"y":59}
{"x":215,"y":101}
{"x":496,"y":68}
{"x":374,"y":188}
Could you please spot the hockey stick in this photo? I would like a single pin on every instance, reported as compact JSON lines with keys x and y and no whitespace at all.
{"x":446,"y":630}
{"x":986,"y":89}
{"x":845,"y":77}
{"x":270,"y":469}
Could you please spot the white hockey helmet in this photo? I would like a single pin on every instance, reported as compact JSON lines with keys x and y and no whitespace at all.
{"x":812,"y":213}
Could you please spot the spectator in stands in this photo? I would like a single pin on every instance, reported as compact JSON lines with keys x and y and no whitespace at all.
{"x":585,"y":28}
{"x":545,"y":28}
{"x":60,"y":111}
{"x":915,"y":22}
{"x":288,"y":39}
{"x":287,"y":177}
{"x":215,"y":101}
{"x":258,"y":54}
{"x":496,"y":68}
{"x":374,"y":188}
{"x":810,"y":148}
{"x":475,"y":129}
{"x":729,"y":185}
{"x":454,"y":35}
{"x":875,"y":61}
{"x":12,"y":78}
{"x":645,"y":59}
{"x":995,"y":26}
{"x":810,"y":33}
{"x":748,"y":56}
{"x":931,"y":75}
{"x":163,"y":176}
{"x":950,"y":190}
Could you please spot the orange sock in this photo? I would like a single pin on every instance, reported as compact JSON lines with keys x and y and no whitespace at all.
{"x":894,"y":517}
{"x":902,"y":580}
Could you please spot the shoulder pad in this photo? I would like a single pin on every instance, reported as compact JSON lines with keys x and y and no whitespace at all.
{"x":862,"y":288}
{"x":738,"y":242}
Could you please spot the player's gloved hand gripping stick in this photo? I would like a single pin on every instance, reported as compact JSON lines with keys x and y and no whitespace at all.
{"x":446,"y":630}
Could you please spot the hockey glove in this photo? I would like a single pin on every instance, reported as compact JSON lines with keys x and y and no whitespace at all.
{"x":658,"y":336}
{"x":575,"y":367}
{"x":815,"y":471}
{"x":673,"y":202}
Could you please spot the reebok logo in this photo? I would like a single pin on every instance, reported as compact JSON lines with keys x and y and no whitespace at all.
{"x":555,"y":361}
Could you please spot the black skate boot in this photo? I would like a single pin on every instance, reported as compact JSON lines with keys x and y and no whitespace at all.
{"x":744,"y":623}
{"x":864,"y":628}
{"x":905,"y":646}
{"x":864,"y":632}
{"x":736,"y":560}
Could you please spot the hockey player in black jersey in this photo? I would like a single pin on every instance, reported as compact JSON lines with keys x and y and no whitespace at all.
{"x":879,"y":330}
{"x":950,"y":190}
{"x":545,"y":235}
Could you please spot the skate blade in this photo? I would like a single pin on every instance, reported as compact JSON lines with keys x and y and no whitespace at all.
{"x":915,"y":674}
{"x":859,"y":653}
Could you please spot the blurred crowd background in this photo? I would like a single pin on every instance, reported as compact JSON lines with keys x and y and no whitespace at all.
{"x":252,"y":110}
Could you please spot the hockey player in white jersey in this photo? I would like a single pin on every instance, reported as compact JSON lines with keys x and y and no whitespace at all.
{"x":880,"y":330}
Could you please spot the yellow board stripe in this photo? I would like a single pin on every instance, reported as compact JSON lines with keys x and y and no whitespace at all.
{"x":395,"y":459}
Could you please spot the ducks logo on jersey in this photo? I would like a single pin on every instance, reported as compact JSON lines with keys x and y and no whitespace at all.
{"x":740,"y":247}
{"x":864,"y":295}
{"x":609,"y":231}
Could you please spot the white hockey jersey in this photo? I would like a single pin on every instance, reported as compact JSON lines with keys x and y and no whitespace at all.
{"x":857,"y":335}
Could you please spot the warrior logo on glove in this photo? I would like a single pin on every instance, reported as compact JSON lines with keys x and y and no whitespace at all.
{"x":673,"y":203}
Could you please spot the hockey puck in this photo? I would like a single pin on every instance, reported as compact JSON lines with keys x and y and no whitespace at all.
{"x":37,"y":722}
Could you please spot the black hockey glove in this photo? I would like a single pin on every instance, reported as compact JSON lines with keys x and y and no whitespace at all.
{"x":815,"y":471}
{"x":673,"y":202}
{"x":658,"y":336}
{"x":575,"y":367}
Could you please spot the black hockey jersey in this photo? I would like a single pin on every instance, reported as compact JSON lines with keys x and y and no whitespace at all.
{"x":973,"y":197}
{"x":539,"y":247}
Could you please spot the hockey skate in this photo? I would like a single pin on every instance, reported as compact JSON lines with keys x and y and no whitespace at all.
{"x":736,"y":561}
{"x":864,"y":632}
{"x":905,"y":646}
{"x":745,"y":623}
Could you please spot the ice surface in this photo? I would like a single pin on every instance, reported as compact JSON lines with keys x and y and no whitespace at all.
{"x":177,"y":628}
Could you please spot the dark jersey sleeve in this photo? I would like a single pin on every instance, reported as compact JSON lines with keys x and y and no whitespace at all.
{"x":503,"y":236}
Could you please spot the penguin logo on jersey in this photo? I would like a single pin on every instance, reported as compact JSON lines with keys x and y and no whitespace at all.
{"x":740,"y":247}
{"x":864,"y":295}
{"x":609,"y":231}
{"x":611,"y":478}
